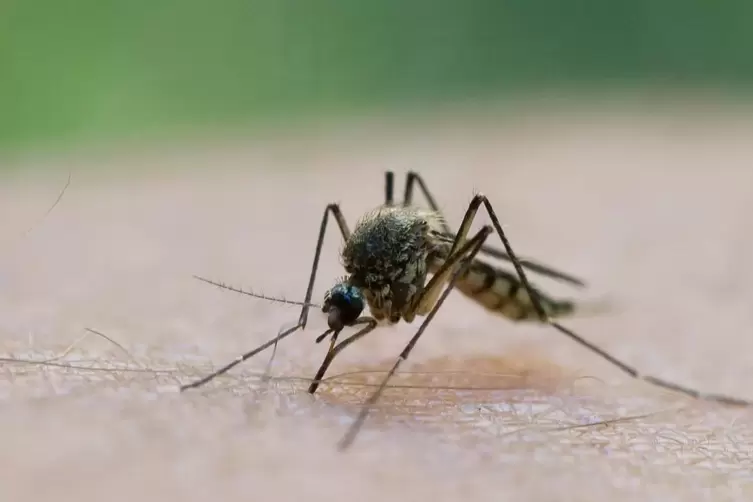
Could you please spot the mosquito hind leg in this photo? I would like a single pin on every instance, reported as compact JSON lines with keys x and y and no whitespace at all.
{"x":389,"y":188}
{"x":535,"y":302}
{"x":303,"y":318}
{"x":413,"y":178}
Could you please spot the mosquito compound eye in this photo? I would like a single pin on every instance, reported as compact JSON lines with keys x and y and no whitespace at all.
{"x":345,"y":305}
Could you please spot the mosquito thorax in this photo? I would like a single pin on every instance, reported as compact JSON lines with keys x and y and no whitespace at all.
{"x":343,"y":303}
{"x":386,"y":257}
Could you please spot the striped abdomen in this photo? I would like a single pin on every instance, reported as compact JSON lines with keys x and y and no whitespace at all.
{"x":502,"y":292}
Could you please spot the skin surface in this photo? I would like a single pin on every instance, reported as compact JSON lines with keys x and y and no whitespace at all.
{"x":653,"y":212}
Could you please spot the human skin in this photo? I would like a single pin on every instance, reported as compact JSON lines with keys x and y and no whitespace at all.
{"x":650,"y":211}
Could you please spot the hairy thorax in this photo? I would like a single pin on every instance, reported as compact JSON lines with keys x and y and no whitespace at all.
{"x":386,"y":257}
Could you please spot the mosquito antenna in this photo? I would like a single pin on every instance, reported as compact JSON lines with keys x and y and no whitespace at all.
{"x":256,"y":295}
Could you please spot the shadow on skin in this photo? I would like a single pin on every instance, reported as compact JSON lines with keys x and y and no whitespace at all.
{"x":451,"y":381}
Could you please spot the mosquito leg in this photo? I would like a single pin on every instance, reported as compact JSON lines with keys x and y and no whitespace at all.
{"x":536,"y":304}
{"x":240,"y":359}
{"x":303,"y":318}
{"x":389,"y":188}
{"x":413,"y":178}
{"x":464,"y":256}
{"x":344,"y":231}
{"x":426,"y":300}
{"x":371,"y":324}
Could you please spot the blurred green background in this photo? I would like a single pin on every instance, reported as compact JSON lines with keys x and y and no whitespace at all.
{"x":82,"y":71}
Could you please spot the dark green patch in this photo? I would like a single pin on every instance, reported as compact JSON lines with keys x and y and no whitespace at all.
{"x":87,"y":70}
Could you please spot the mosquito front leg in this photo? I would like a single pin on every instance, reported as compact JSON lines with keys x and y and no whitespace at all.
{"x":344,"y":231}
{"x":302,"y":319}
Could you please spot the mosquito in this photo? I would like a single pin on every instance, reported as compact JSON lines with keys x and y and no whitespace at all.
{"x":388,"y":258}
{"x":347,"y":315}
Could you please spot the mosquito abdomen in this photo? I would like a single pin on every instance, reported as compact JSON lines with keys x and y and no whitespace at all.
{"x":503,"y":293}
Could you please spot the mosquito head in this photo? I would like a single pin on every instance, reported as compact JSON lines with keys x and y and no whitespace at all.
{"x":343,"y":304}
